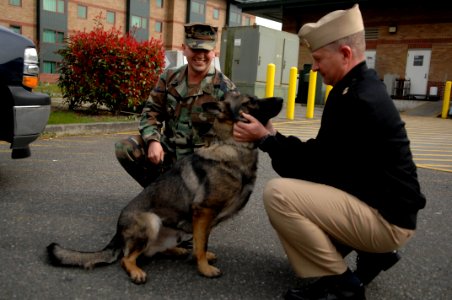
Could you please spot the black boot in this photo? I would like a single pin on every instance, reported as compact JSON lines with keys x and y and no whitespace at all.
{"x":369,"y":265}
{"x":337,"y":287}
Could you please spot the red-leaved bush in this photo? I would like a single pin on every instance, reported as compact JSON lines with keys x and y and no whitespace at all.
{"x":108,"y":68}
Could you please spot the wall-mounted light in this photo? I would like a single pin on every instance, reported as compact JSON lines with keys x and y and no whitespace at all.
{"x":392,"y":29}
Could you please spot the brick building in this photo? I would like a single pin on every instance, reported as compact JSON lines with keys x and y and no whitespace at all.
{"x":409,"y":43}
{"x":48,"y":22}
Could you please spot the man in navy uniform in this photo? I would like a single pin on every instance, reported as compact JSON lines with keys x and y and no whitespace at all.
{"x":354,"y":186}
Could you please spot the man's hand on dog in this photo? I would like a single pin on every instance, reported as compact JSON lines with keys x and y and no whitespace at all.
{"x":155,"y":152}
{"x":253,"y":130}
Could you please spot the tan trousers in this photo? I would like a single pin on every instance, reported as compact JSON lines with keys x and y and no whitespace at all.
{"x":305,"y":215}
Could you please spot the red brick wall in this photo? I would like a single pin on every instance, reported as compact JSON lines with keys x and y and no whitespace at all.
{"x":48,"y":78}
{"x":392,"y":51}
{"x":157,"y":15}
{"x":94,"y":10}
{"x":23,"y":16}
{"x":391,"y":59}
{"x":417,"y":28}
{"x":176,"y":12}
{"x":222,"y":7}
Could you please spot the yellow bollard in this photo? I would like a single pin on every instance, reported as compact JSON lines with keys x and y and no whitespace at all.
{"x":446,"y":100}
{"x":311,"y":94}
{"x":327,"y":92}
{"x":290,"y":110}
{"x":270,"y":80}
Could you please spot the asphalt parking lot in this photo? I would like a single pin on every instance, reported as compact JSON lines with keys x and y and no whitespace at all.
{"x":72,"y":189}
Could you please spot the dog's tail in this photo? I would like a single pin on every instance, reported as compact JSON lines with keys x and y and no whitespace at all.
{"x":141,"y":226}
{"x":67,"y":257}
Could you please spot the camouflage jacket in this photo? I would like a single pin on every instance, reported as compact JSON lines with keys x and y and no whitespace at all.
{"x":173,"y":113}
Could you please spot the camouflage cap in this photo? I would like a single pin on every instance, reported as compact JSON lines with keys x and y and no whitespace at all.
{"x":200,"y":36}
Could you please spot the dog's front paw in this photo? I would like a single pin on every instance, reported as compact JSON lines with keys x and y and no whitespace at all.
{"x":138,"y":276}
{"x":209,"y":271}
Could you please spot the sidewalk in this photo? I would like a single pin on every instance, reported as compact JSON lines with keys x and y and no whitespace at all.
{"x":91,"y":128}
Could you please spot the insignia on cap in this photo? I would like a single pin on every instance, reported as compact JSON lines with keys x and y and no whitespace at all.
{"x":345,"y":91}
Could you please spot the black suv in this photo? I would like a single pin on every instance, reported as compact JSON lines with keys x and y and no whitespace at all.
{"x":23,"y":113}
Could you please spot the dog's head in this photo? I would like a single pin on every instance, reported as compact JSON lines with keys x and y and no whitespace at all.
{"x":230,"y":109}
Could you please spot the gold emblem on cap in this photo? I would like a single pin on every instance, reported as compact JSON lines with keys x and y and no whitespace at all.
{"x":307,"y":43}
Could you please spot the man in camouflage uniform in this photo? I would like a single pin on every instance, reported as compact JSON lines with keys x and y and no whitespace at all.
{"x":173,"y":123}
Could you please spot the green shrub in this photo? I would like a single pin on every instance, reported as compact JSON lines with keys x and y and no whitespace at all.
{"x":107,"y":68}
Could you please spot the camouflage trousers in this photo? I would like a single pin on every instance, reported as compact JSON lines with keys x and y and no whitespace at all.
{"x":132,"y":155}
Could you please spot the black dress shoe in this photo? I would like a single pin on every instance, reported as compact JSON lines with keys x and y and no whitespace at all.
{"x":327,"y":294}
{"x":369,"y":265}
{"x":338,"y":287}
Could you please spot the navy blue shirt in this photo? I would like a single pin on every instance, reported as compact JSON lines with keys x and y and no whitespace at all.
{"x":362,"y":148}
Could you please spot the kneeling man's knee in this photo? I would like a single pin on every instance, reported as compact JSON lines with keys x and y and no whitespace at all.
{"x":273,"y":193}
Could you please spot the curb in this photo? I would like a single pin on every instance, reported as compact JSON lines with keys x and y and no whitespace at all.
{"x":58,"y":130}
{"x":90,"y":128}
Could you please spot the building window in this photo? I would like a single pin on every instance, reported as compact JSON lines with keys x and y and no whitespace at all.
{"x":197,"y":8}
{"x":15,"y":2}
{"x":418,"y":60}
{"x":247,"y":21}
{"x":16,"y":28}
{"x":197,"y":11}
{"x":52,"y":36}
{"x":158,"y":27}
{"x":159,"y":3}
{"x":139,"y":22}
{"x":216,"y":13}
{"x":235,"y":19}
{"x":234,"y":16}
{"x":54,"y":6}
{"x":110,"y":17}
{"x":49,"y":67}
{"x":82,"y":11}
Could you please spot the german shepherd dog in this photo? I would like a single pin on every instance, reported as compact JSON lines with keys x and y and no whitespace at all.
{"x":187,"y":201}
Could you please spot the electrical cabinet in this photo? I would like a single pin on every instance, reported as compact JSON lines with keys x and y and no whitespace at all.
{"x":174,"y":58}
{"x":246,"y":52}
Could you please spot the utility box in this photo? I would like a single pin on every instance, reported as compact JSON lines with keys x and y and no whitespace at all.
{"x":246,"y":52}
{"x":174,"y":58}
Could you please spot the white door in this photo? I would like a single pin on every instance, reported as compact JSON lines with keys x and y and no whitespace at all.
{"x":417,"y":67}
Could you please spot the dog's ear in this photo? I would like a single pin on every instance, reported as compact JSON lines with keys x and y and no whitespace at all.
{"x":263,"y":109}
{"x":234,"y":101}
{"x":214,"y":107}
